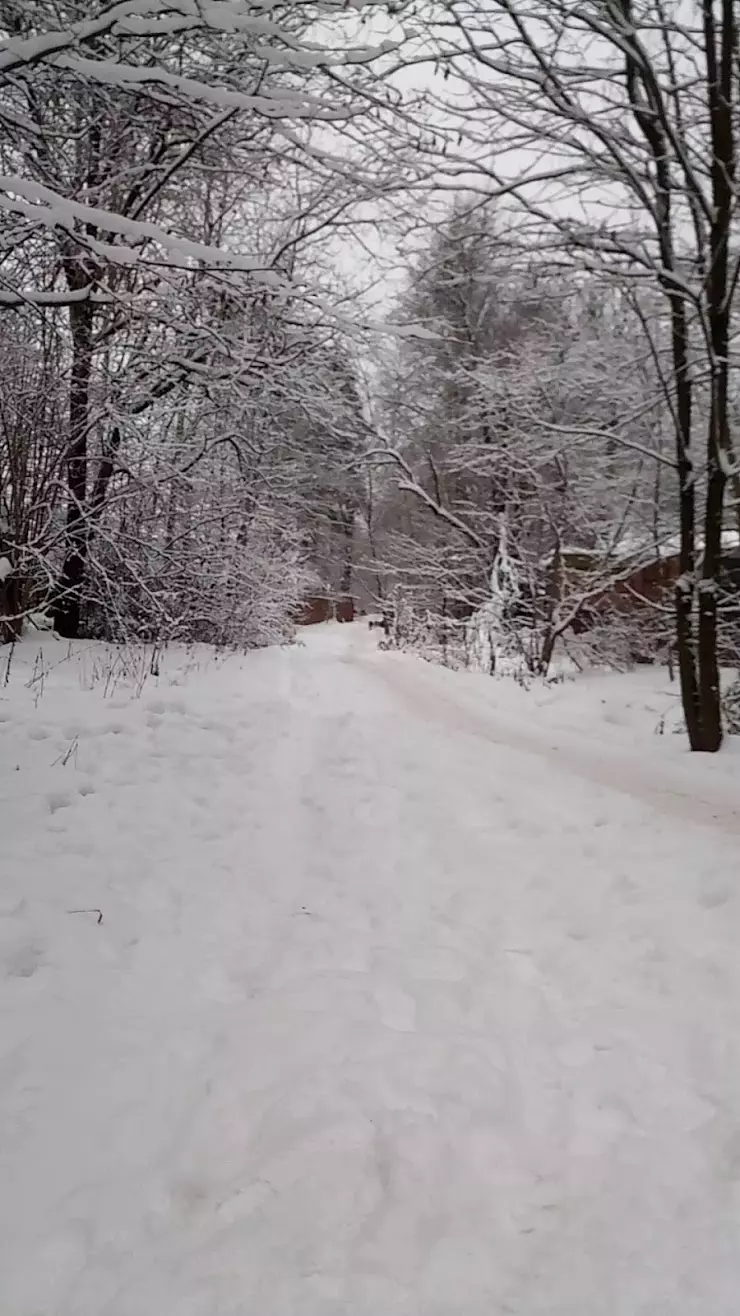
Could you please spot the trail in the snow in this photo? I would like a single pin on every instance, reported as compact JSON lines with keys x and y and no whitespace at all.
{"x":668,"y":789}
{"x":383,"y":1017}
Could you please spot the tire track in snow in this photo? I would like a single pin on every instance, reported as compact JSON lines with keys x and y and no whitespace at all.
{"x":660,"y":787}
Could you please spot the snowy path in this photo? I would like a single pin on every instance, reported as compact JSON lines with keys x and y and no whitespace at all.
{"x":383,"y":1018}
{"x":678,"y":790}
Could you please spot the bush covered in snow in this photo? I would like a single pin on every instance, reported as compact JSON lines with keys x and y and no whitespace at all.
{"x":731,"y":708}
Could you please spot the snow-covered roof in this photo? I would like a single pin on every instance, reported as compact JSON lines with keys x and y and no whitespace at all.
{"x":638,"y":545}
{"x":633,"y":546}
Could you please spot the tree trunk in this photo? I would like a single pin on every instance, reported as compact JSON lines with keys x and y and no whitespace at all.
{"x":68,"y":607}
{"x":11,"y":609}
{"x":720,"y":50}
{"x":346,"y":525}
{"x":688,"y":665}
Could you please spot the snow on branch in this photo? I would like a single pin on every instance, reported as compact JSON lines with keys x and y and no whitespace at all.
{"x":280,"y":103}
{"x":167,"y":17}
{"x":411,"y":485}
{"x":19,"y":196}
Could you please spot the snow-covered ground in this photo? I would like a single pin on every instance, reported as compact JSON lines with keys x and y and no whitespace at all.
{"x":333,"y":984}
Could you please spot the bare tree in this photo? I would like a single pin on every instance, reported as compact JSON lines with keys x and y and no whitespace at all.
{"x":527,"y":428}
{"x":140,"y":142}
{"x":610,"y":128}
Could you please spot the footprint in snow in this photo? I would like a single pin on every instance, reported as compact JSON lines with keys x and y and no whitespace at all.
{"x":160,"y":706}
{"x":24,"y":961}
{"x":58,"y":800}
{"x":713,"y":899}
{"x":397,"y":1008}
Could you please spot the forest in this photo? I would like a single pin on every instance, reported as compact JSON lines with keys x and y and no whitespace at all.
{"x":427,"y":307}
